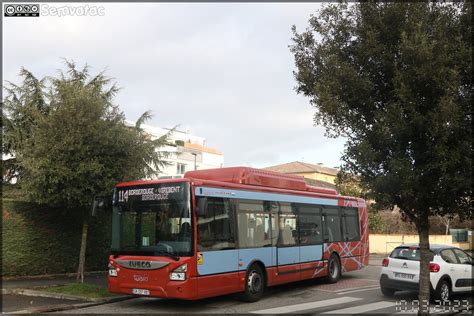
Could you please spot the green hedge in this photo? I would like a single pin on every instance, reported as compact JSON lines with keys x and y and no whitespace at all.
{"x":38,"y":240}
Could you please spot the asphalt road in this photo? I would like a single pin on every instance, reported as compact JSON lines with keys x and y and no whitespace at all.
{"x":356,"y":293}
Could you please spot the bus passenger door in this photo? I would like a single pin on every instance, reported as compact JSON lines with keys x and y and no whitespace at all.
{"x":217,"y":264}
{"x":254,"y":237}
{"x":310,"y":240}
{"x":288,"y":251}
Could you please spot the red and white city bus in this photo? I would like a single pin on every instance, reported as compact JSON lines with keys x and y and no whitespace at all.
{"x":231,"y":230}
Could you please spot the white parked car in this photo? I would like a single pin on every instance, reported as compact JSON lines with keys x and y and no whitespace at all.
{"x":450,"y":271}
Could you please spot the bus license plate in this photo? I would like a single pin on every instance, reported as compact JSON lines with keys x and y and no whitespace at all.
{"x":140,"y":292}
{"x":404,"y":276}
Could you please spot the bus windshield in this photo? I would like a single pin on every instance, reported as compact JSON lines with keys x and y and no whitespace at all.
{"x":152,"y":220}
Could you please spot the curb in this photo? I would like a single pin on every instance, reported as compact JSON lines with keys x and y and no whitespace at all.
{"x":30,"y":292}
{"x":63,"y":307}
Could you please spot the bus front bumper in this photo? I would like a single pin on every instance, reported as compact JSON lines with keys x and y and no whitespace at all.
{"x":186,"y":290}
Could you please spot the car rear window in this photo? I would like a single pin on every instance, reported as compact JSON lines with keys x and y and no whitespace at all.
{"x":407,"y":253}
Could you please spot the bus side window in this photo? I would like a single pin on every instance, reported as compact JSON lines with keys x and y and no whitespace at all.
{"x":309,"y":219}
{"x":332,"y":225}
{"x":350,"y":223}
{"x":287,"y":225}
{"x":215,"y":225}
{"x":254,"y":224}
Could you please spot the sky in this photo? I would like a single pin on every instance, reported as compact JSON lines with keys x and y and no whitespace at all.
{"x":220,"y":71}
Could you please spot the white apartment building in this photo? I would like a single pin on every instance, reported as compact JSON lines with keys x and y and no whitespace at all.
{"x":188,"y":152}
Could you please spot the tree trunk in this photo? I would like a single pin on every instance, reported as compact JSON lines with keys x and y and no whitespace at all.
{"x":82,"y":254}
{"x":447,"y":226}
{"x":425,"y":258}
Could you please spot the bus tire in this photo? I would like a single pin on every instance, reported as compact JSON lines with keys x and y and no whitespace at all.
{"x":334,"y":269}
{"x":254,"y":284}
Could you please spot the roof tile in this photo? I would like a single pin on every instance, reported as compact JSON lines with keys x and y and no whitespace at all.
{"x":302,"y":167}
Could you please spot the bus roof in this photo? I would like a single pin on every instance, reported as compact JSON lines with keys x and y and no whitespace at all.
{"x":240,"y":177}
{"x":145,"y":182}
{"x":257,"y":177}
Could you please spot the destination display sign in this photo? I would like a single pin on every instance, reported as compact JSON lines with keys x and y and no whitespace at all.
{"x":160,"y":192}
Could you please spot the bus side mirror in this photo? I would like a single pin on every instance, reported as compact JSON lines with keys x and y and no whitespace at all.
{"x":97,"y":204}
{"x":201,"y":205}
{"x":114,"y":196}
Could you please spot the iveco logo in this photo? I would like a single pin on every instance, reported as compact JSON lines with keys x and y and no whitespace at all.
{"x":404,"y":265}
{"x":140,"y":264}
{"x":140,"y":278}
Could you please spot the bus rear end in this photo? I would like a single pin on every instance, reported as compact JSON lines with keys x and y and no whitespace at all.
{"x":152,"y":251}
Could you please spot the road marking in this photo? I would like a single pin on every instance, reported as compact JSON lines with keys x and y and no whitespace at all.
{"x":360,"y":290}
{"x":362,"y":308}
{"x":306,"y":306}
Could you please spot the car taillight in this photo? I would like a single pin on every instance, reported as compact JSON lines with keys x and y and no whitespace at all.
{"x":385,"y":262}
{"x":434,"y":267}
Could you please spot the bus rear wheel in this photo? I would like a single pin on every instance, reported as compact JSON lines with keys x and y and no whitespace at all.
{"x":334,"y":269}
{"x":254,"y":284}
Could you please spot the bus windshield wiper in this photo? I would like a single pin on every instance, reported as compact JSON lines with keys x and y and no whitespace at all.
{"x":167,"y":254}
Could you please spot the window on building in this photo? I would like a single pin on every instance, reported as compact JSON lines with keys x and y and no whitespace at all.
{"x":350,"y":224}
{"x":215,"y":224}
{"x":254,"y":224}
{"x":332,"y":225}
{"x":180,"y":168}
{"x":309,"y":223}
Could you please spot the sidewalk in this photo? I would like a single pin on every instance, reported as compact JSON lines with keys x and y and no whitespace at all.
{"x":22,"y":295}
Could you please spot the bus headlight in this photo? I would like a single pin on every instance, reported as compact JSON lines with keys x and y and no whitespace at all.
{"x":112,"y":270}
{"x":179,"y":274}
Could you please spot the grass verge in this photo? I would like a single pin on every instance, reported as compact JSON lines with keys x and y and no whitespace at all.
{"x":80,"y":289}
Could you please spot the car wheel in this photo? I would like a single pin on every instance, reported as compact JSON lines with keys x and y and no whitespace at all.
{"x":387,"y":291}
{"x":334,"y":269}
{"x":254,"y":284}
{"x":443,"y":291}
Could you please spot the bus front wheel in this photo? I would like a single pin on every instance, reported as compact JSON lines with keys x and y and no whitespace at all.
{"x":334,"y":269}
{"x":254,"y":284}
